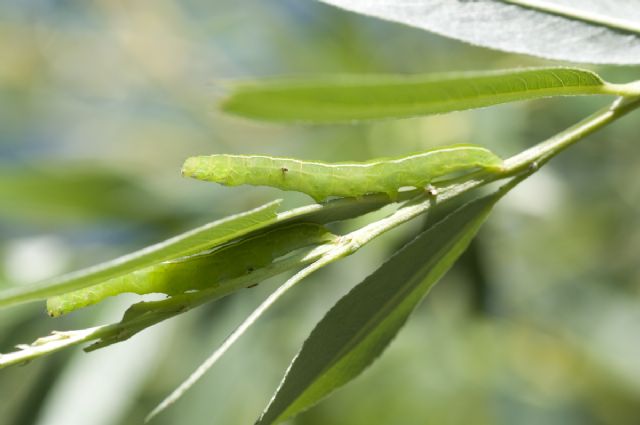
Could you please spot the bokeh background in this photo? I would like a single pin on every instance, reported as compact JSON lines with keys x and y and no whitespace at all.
{"x":101,"y":101}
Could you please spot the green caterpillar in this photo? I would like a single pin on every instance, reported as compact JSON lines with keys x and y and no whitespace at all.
{"x":321,"y":180}
{"x":197,"y":271}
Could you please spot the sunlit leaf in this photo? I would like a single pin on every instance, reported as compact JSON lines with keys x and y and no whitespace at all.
{"x":350,"y":98}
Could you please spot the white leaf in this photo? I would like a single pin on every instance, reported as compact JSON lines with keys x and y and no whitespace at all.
{"x":590,"y":31}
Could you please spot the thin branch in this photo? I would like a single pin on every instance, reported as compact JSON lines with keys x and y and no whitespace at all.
{"x":543,"y":152}
{"x":151,"y":313}
{"x":50,"y":344}
{"x":521,"y":166}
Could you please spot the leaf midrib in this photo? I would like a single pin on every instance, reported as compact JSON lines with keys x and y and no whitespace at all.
{"x":592,"y":18}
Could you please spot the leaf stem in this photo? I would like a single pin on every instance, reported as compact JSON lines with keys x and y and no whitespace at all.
{"x":50,"y":344}
{"x":544,"y":151}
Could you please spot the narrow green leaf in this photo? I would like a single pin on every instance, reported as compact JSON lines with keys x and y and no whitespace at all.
{"x":191,"y":242}
{"x":361,"y":325}
{"x":349,"y":98}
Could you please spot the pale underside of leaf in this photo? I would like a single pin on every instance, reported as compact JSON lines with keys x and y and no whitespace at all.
{"x":515,"y":28}
{"x":361,"y":325}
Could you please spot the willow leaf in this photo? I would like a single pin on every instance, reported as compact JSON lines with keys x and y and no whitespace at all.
{"x":589,"y":31}
{"x":348,"y":98}
{"x":361,"y":325}
{"x":191,"y":242}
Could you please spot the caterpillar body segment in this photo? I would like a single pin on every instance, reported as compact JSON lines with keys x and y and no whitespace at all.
{"x":321,"y":179}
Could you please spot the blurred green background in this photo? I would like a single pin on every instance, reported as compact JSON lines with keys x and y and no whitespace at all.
{"x":101,"y":101}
